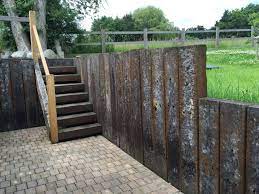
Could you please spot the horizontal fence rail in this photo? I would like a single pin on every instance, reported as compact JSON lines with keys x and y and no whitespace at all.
{"x":180,"y":37}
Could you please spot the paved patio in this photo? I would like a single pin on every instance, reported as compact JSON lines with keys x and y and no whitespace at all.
{"x":29,"y":163}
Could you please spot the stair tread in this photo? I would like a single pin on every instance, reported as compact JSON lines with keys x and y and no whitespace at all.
{"x":80,"y":127}
{"x":69,"y":84}
{"x":73,"y":104}
{"x":75,"y":115}
{"x":68,"y":94}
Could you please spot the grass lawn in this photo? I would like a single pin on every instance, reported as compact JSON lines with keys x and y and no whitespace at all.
{"x":238,"y":79}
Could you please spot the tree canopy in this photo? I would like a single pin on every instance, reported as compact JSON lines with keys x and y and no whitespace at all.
{"x":239,"y":18}
{"x":62,"y":18}
{"x":148,"y":17}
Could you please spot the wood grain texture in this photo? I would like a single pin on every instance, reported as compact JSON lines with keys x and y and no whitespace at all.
{"x":252,"y":150}
{"x":209,"y":145}
{"x":188,"y":119}
{"x":232,"y":147}
{"x":171,"y":79}
{"x":52,"y":108}
{"x":6,"y":108}
{"x":18,"y":96}
{"x":33,"y":111}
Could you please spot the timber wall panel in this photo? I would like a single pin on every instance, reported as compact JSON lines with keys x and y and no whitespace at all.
{"x":19,"y":104}
{"x":209,"y":145}
{"x":232,"y":147}
{"x":143,"y":109}
{"x":252,"y":150}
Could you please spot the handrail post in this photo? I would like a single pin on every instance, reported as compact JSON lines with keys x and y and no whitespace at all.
{"x":34,"y":50}
{"x":52,"y":108}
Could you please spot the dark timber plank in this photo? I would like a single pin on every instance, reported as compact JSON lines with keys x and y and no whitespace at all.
{"x":209,"y":145}
{"x":232,"y":147}
{"x":19,"y":107}
{"x":146,"y":95}
{"x":172,"y":114}
{"x":188,"y":119}
{"x":135,"y":106}
{"x":107,"y":127}
{"x":252,"y":150}
{"x":113,"y":81}
{"x":31,"y":96}
{"x":6,"y":108}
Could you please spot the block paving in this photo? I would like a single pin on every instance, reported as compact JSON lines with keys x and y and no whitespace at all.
{"x":29,"y":163}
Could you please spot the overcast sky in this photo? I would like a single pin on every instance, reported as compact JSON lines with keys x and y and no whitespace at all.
{"x":183,"y":13}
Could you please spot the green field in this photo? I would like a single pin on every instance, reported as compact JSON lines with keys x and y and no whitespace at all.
{"x":238,"y":78}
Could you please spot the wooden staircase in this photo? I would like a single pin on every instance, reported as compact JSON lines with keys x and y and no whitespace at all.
{"x":75,"y":116}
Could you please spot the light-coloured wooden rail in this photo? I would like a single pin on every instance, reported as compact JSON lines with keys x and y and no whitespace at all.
{"x":37,"y":53}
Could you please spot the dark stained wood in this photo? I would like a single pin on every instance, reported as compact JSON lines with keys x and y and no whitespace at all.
{"x":33,"y":110}
{"x":171,"y":69}
{"x":146,"y":96}
{"x":71,"y":98}
{"x":6,"y":108}
{"x":209,"y":145}
{"x":107,"y":123}
{"x":188,"y":100}
{"x":232,"y":147}
{"x":135,"y":106}
{"x":158,"y":114}
{"x":69,"y":88}
{"x":252,"y":150}
{"x":18,"y":96}
{"x":113,"y":81}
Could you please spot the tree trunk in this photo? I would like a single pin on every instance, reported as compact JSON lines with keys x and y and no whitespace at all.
{"x":40,"y":8}
{"x":21,"y":39}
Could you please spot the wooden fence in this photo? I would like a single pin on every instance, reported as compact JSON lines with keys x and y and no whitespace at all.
{"x":19,"y":104}
{"x":148,"y":102}
{"x":228,"y":147}
{"x":181,"y":39}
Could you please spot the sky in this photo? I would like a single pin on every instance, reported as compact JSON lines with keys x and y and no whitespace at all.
{"x":183,"y":13}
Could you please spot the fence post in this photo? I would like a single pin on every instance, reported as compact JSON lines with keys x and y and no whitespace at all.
{"x":103,"y":40}
{"x":257,"y":47}
{"x":183,"y":35}
{"x":145,"y":39}
{"x":252,"y":36}
{"x":217,"y":37}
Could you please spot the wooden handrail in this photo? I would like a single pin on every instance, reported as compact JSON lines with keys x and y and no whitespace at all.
{"x":37,"y":52}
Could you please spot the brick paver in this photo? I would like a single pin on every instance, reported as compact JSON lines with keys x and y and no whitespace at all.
{"x":29,"y":163}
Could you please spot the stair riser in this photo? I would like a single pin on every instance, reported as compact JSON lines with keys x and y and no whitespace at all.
{"x":69,"y":89}
{"x":75,"y":109}
{"x":66,"y":79}
{"x":72,"y":99}
{"x":61,"y":70}
{"x":77,"y":121}
{"x":79,"y":134}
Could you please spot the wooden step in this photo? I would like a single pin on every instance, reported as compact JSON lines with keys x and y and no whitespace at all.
{"x":76,"y":119}
{"x":74,"y":108}
{"x":69,"y":88}
{"x":61,"y":70}
{"x":79,"y":131}
{"x":72,"y":98}
{"x":66,"y":78}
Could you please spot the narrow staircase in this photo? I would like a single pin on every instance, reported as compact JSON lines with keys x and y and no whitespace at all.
{"x":75,"y":115}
